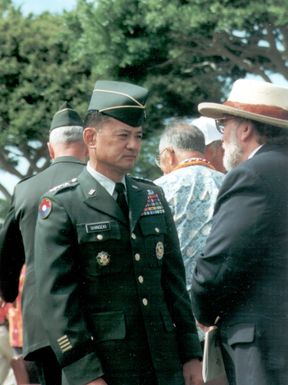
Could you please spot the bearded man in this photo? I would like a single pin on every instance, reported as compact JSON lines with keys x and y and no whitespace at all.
{"x":242,"y":278}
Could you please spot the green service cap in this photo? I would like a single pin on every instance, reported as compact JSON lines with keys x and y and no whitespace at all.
{"x":66,"y":116}
{"x":121,"y":101}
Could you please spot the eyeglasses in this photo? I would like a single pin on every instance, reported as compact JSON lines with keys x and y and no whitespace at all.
{"x":221,"y":123}
{"x":157,"y":157}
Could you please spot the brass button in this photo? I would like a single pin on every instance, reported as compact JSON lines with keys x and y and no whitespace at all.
{"x":137,"y":257}
{"x":145,"y":301}
{"x":133,"y":236}
{"x":99,"y":237}
{"x":140,"y":279}
{"x":157,"y":229}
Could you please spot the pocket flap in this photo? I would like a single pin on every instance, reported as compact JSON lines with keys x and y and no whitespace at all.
{"x":242,"y":333}
{"x":108,"y":326}
{"x":153,"y":225}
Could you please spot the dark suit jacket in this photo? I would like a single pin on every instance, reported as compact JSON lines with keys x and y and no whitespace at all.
{"x":17,"y":243}
{"x":243,"y":275}
{"x":112,"y":292}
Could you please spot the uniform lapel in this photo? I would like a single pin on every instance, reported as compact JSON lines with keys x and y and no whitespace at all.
{"x":98,"y":198}
{"x":137,"y":197}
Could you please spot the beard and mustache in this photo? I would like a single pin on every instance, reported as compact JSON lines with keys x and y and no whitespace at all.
{"x":232,"y":152}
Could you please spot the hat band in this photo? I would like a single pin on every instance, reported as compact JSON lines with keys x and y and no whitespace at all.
{"x":120,"y":107}
{"x":260,"y":109}
{"x":119,"y":93}
{"x":64,"y":109}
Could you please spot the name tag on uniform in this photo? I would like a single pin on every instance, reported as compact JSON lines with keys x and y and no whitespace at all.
{"x":98,"y":226}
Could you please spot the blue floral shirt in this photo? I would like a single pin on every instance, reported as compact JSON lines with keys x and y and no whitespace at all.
{"x":191,"y":193}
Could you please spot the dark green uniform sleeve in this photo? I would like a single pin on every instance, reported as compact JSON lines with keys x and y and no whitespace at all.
{"x":173,"y":281}
{"x":58,"y":281}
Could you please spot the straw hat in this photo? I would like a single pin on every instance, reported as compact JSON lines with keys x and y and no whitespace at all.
{"x":252,"y":99}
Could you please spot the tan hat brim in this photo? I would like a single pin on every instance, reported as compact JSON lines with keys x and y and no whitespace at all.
{"x":219,"y":111}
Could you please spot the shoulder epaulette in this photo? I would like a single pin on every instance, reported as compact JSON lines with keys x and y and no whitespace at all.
{"x":145,"y":180}
{"x":63,"y":186}
{"x":25,"y":178}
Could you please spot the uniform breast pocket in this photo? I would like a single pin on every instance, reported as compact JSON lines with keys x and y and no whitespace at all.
{"x":154,"y":229}
{"x":99,"y":244}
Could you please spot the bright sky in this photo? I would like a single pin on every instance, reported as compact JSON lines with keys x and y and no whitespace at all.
{"x":38,"y":6}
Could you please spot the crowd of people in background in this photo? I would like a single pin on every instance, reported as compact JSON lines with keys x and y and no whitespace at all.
{"x":118,"y":278}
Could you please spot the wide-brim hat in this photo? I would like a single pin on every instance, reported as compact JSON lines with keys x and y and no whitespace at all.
{"x":120,"y":100}
{"x":252,"y":99}
{"x":66,"y":116}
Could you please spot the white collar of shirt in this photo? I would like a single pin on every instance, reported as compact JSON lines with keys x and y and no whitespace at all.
{"x":254,"y":151}
{"x":105,"y":182}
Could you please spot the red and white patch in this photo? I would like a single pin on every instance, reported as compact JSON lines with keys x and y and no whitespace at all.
{"x":45,"y":208}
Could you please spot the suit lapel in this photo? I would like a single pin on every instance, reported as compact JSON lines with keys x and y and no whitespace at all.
{"x":137,"y":198}
{"x":98,"y":198}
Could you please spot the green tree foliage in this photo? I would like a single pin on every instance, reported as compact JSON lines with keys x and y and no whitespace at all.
{"x":185,"y":51}
{"x":122,"y":40}
{"x":36,"y":75}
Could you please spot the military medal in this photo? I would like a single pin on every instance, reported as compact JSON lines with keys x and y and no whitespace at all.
{"x":153,"y":204}
{"x":159,"y":250}
{"x":103,"y":258}
{"x":45,"y":208}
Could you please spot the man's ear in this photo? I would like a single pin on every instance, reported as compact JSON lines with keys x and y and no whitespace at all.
{"x":246,"y":130}
{"x":89,"y":137}
{"x":51,"y":151}
{"x":173,"y":160}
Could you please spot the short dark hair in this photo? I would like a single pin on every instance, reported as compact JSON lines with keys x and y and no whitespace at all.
{"x":271,"y":134}
{"x":184,"y":136}
{"x":94,"y":118}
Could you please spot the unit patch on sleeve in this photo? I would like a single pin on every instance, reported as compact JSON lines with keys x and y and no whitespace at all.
{"x":153,"y":204}
{"x":45,"y":208}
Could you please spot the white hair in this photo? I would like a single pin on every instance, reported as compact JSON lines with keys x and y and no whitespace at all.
{"x":66,"y":134}
{"x":183,"y":136}
{"x":232,"y":152}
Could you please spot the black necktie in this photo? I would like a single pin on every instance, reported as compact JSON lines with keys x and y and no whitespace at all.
{"x":121,"y":199}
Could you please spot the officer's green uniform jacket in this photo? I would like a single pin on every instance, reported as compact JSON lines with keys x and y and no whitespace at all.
{"x":17,"y":247}
{"x":112,"y":293}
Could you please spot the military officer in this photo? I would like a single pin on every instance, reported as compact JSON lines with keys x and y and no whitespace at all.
{"x":109,"y":271}
{"x":68,"y":153}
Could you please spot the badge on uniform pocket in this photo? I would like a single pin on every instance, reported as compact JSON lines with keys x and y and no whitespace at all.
{"x":159,"y":250}
{"x":103,"y":258}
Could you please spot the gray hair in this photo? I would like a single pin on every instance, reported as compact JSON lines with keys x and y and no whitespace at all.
{"x":271,"y":134}
{"x":183,"y":136}
{"x":66,"y":134}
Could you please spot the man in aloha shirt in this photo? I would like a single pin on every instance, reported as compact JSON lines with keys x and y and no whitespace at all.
{"x":190,"y":184}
